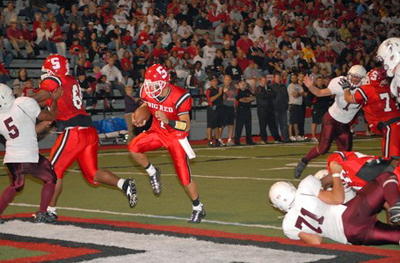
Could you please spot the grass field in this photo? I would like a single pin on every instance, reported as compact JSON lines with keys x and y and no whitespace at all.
{"x":233,"y":184}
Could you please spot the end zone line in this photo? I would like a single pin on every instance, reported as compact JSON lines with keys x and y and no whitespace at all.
{"x":153,"y":216}
{"x":205,"y":176}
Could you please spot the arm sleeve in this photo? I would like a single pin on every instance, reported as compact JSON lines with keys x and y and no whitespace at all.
{"x":184,"y":104}
{"x":50,"y":83}
{"x":334,"y":86}
{"x":360,"y":97}
{"x":310,"y":186}
{"x":30,"y":107}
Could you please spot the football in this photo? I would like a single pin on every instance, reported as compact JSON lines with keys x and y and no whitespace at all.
{"x":141,"y":114}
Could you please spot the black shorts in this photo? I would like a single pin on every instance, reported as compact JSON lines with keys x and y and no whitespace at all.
{"x":214,"y":117}
{"x":228,"y":116}
{"x":317,"y":115}
{"x":295,"y":113}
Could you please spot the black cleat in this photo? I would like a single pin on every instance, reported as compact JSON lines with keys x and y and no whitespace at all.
{"x":1,"y":221}
{"x":156,"y":182}
{"x":129,"y":187}
{"x":44,"y":217}
{"x":299,"y":169}
{"x":197,"y":215}
{"x":394,"y":213}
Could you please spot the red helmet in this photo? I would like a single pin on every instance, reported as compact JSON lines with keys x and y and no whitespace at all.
{"x":377,"y":77}
{"x":56,"y":65}
{"x":155,"y":80}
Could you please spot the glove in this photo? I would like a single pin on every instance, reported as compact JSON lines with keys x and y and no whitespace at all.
{"x":381,"y":126}
{"x":344,"y":83}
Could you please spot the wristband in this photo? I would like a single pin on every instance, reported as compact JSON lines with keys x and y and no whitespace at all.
{"x":337,"y":175}
{"x":177,"y":125}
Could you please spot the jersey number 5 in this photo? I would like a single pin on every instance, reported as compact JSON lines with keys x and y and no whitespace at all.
{"x":301,"y":220}
{"x":13,"y":130}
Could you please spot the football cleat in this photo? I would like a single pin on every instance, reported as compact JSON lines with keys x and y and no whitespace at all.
{"x":394,"y":213}
{"x":44,"y":217}
{"x":197,"y":215}
{"x":129,"y":187}
{"x":155,"y":182}
{"x":299,"y":169}
{"x":1,"y":221}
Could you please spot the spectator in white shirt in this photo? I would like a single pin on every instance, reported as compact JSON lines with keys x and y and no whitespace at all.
{"x":209,"y":53}
{"x":172,"y":22}
{"x":185,"y":32}
{"x":114,"y":76}
{"x":120,"y":18}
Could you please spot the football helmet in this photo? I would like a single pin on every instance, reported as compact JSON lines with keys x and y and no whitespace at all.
{"x":6,"y":97}
{"x":56,"y":65}
{"x":356,"y":75}
{"x":377,"y":77}
{"x":389,"y":54}
{"x":321,"y":174}
{"x":156,"y":79}
{"x":282,"y":195}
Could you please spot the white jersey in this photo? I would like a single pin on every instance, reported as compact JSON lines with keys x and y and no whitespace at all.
{"x":340,"y":110}
{"x":17,"y":125}
{"x":310,"y":215}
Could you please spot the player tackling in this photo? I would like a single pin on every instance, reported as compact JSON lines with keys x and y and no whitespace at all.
{"x":78,"y":139}
{"x":170,"y":106}
{"x":17,"y":125}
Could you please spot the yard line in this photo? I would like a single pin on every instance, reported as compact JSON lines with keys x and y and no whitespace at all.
{"x":153,"y":216}
{"x":206,"y":176}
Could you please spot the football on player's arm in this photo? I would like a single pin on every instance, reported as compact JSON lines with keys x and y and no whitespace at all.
{"x":141,"y":116}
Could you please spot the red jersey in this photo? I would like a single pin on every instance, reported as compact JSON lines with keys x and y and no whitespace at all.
{"x":71,"y":111}
{"x":177,"y":102}
{"x":352,"y":163}
{"x":377,"y":104}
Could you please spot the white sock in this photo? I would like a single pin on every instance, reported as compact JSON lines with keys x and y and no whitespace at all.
{"x":151,"y":170}
{"x":198,"y":208}
{"x":120,"y":183}
{"x":52,"y":209}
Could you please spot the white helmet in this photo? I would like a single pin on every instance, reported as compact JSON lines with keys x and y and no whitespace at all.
{"x":356,"y":75}
{"x":6,"y":97}
{"x":389,"y":54}
{"x":321,"y":174}
{"x":282,"y":195}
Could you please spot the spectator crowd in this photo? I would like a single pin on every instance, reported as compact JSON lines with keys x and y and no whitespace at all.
{"x":229,"y":54}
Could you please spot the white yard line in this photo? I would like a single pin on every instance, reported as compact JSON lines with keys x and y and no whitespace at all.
{"x":152,"y":216}
{"x":206,"y":176}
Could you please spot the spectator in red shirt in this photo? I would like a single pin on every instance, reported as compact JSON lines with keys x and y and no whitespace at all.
{"x":76,"y":50}
{"x":144,"y":37}
{"x":126,"y":64}
{"x":244,"y":43}
{"x":193,"y":49}
{"x":179,"y":49}
{"x":16,"y":39}
{"x":4,"y":75}
{"x":158,"y":51}
{"x":173,"y":7}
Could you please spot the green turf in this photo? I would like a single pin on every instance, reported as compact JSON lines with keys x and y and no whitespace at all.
{"x":8,"y":253}
{"x":236,"y":192}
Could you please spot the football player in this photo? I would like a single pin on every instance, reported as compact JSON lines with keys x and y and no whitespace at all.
{"x":381,"y":111}
{"x":17,"y":125}
{"x":389,"y":54}
{"x":170,"y":106}
{"x":335,"y":123}
{"x":78,"y":139}
{"x":313,"y":213}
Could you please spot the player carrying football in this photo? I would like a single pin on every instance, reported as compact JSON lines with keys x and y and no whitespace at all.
{"x":335,"y":123}
{"x":17,"y":125}
{"x":78,"y":139}
{"x":170,"y":105}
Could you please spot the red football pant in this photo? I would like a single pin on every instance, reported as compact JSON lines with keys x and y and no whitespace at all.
{"x":360,"y":222}
{"x":152,"y":140}
{"x":391,"y":140}
{"x":80,"y":144}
